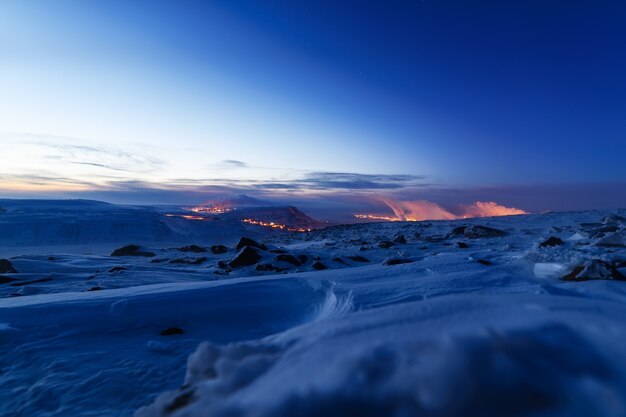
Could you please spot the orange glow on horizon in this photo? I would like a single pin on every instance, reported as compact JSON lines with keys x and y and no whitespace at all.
{"x":413,"y":211}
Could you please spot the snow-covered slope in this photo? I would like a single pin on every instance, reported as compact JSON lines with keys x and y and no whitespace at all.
{"x":85,"y":226}
{"x":407,"y":319}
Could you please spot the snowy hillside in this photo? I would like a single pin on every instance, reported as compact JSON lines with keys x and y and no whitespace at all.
{"x":503,"y":316}
{"x":84,"y":226}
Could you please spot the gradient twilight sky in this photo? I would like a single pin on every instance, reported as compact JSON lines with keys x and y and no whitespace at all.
{"x":295,"y":97}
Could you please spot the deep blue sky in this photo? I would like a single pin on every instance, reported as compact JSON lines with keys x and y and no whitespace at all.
{"x":241,"y":94}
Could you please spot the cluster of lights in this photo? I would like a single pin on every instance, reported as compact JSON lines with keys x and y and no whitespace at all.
{"x":211,"y":210}
{"x":275,"y":225}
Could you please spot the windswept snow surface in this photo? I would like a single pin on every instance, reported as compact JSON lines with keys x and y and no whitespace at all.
{"x":423,"y":328}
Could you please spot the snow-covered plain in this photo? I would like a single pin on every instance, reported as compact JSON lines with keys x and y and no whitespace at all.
{"x":445,"y":321}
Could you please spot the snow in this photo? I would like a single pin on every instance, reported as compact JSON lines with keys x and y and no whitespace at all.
{"x":443,"y":335}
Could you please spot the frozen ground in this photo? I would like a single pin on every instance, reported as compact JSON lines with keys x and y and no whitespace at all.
{"x":423,"y":328}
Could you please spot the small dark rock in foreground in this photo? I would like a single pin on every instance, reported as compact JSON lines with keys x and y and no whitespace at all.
{"x":6,"y":267}
{"x":218,"y":249}
{"x":132,"y":250}
{"x":551,"y":241}
{"x":246,"y":241}
{"x":246,"y":257}
{"x":192,"y":248}
{"x":593,"y":270}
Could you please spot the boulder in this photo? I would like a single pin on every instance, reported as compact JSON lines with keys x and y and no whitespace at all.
{"x":458,"y":231}
{"x":247,"y":256}
{"x":551,"y":241}
{"x":385,"y":244}
{"x":193,"y":249}
{"x":484,"y":262}
{"x":462,"y":245}
{"x":132,"y":250}
{"x":246,"y":241}
{"x":187,"y":261}
{"x":614,"y":240}
{"x":269,"y":268}
{"x":594,"y":270}
{"x":396,"y":261}
{"x":475,"y":232}
{"x":399,"y":239}
{"x":6,"y":267}
{"x":283,"y":257}
{"x":6,"y":280}
{"x":218,"y":249}
{"x":358,"y":258}
{"x":317,"y":265}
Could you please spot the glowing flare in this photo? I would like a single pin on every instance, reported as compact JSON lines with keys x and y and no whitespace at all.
{"x":490,"y":209}
{"x":426,"y":210}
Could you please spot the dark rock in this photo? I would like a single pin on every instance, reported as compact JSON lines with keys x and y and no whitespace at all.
{"x":184,"y":261}
{"x":118,"y":269}
{"x":319,"y":266}
{"x":458,"y":231}
{"x":6,"y":267}
{"x":170,"y":331}
{"x":218,"y":249}
{"x":339,"y":260}
{"x":551,"y":241}
{"x":246,"y":257}
{"x":594,"y":270}
{"x":475,"y":232}
{"x":484,"y":262}
{"x":192,"y":248}
{"x":399,"y":239}
{"x":158,"y":261}
{"x":358,"y":258}
{"x":132,"y":250}
{"x":52,"y":258}
{"x":180,"y":401}
{"x":303,"y":259}
{"x":35,"y":281}
{"x":363,"y":248}
{"x":223,"y":265}
{"x":614,"y":240}
{"x":396,"y":261}
{"x":95,"y":289}
{"x":6,"y":280}
{"x":278,"y":251}
{"x":246,"y":241}
{"x":283,"y":257}
{"x":385,"y":244}
{"x":269,"y":268}
{"x":462,"y":245}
